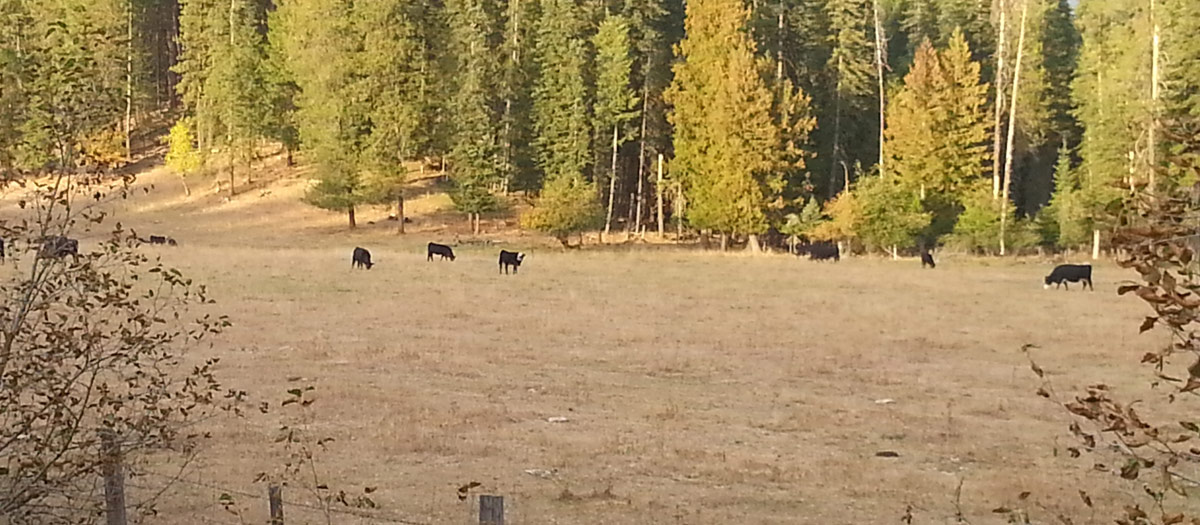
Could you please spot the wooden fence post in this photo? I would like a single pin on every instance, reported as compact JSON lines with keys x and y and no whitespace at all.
{"x":275,"y":499}
{"x":491,"y":510}
{"x":114,"y":478}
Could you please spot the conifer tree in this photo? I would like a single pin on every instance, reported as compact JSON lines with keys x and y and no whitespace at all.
{"x":852,"y":65}
{"x":615,"y":102}
{"x":474,"y":150}
{"x":724,"y":136}
{"x":560,"y":98}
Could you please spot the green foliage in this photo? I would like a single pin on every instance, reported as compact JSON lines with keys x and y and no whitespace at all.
{"x":938,"y":129}
{"x":615,"y":105}
{"x":474,"y":154}
{"x":726,"y":153}
{"x":977,"y":229}
{"x":804,"y":223}
{"x":567,"y":205}
{"x":560,"y":99}
{"x":845,"y":219}
{"x":1068,"y":208}
{"x":182,"y":156}
{"x":891,"y":215}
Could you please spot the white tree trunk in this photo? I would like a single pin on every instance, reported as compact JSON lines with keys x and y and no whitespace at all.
{"x":998,"y":130}
{"x":1095,"y":244}
{"x":612,"y":184}
{"x":1012,"y":124}
{"x":129,"y":81}
{"x":659,"y":187}
{"x":880,"y":42}
{"x":1152,"y":157}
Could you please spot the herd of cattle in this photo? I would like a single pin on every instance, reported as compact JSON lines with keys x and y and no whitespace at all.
{"x":361,"y":258}
{"x":55,"y":247}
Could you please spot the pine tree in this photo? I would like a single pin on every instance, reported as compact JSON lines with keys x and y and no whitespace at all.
{"x":1181,"y":80}
{"x":517,"y":72}
{"x":560,"y":98}
{"x":853,"y":67}
{"x":920,"y":23}
{"x":938,"y":128}
{"x":615,"y":103}
{"x":1110,"y":95}
{"x":320,"y":44}
{"x":929,"y":143}
{"x":724,"y":135}
{"x":474,"y":152}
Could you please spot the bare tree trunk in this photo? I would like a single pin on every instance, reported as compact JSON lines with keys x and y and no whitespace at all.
{"x":998,"y":130}
{"x":680,"y":205}
{"x":1095,"y":244}
{"x":1154,"y":93}
{"x":350,"y":213}
{"x":187,"y":192}
{"x":880,"y":42}
{"x":752,"y":244}
{"x":724,"y":241}
{"x":612,"y":184}
{"x":659,"y":187}
{"x":400,"y":212}
{"x":1012,"y":125}
{"x":837,"y":132}
{"x":129,"y":81}
{"x":641,"y":175}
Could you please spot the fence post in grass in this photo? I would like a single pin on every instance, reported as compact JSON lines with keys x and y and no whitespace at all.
{"x":491,"y":510}
{"x":275,"y":500}
{"x":114,"y":479}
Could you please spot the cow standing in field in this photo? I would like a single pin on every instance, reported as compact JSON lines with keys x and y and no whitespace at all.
{"x":1070,"y":273}
{"x":361,"y":259}
{"x":58,"y":247}
{"x":440,"y":249}
{"x":927,"y":260}
{"x":821,"y":251}
{"x":510,"y":259}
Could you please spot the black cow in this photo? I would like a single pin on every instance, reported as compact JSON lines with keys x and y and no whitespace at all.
{"x":1070,"y":273}
{"x":361,"y":259}
{"x":510,"y":259}
{"x":439,"y":249}
{"x":927,"y":260}
{"x":58,"y":246}
{"x":820,"y":251}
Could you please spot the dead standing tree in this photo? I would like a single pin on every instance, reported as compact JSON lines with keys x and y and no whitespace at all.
{"x":91,"y":345}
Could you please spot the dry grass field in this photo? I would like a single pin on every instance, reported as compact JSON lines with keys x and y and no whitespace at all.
{"x":698,"y":387}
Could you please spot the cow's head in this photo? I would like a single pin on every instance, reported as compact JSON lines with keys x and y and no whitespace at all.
{"x":520,"y":258}
{"x":1046,"y":283}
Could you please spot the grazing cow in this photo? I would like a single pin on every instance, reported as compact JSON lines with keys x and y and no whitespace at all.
{"x":439,"y":249}
{"x":361,"y":259}
{"x":821,"y":251}
{"x":59,"y":246}
{"x":1070,"y":273}
{"x":510,"y":259}
{"x":927,"y":260}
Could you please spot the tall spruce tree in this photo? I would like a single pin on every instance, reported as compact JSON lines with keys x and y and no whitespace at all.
{"x":1110,"y":96}
{"x":853,"y":66}
{"x":474,"y":154}
{"x":938,"y":128}
{"x":724,"y":135}
{"x":560,"y":98}
{"x":615,"y":102}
